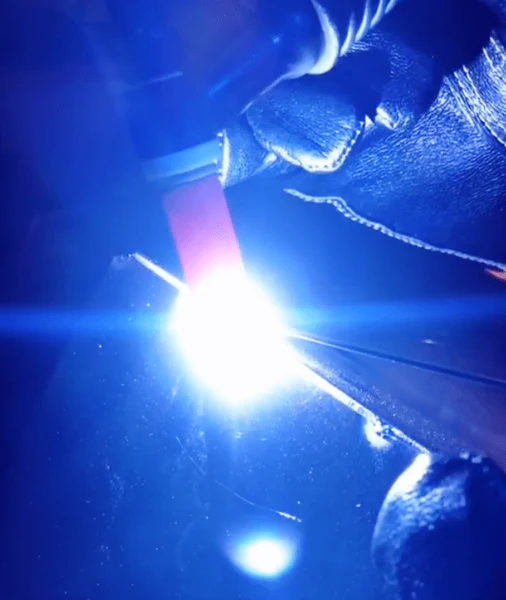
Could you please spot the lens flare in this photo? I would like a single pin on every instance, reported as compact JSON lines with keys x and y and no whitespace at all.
{"x":264,"y":557}
{"x":232,"y":336}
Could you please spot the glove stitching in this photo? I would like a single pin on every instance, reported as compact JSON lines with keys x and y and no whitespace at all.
{"x":341,"y":205}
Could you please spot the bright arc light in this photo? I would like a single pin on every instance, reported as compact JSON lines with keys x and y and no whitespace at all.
{"x":232,"y":336}
{"x":264,"y":557}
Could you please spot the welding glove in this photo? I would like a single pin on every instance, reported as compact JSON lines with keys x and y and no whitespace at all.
{"x":405,"y":135}
{"x":441,"y":532}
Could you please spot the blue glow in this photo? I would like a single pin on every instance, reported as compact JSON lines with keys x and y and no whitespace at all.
{"x":232,"y":337}
{"x":264,"y":557}
{"x":63,"y":322}
{"x":447,"y":310}
{"x":40,"y":321}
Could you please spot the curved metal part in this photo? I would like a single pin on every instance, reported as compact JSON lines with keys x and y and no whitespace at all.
{"x":346,"y":24}
{"x":363,"y":19}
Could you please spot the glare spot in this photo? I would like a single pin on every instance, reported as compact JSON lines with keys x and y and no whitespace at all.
{"x":232,"y":337}
{"x":374,"y":434}
{"x":264,"y":557}
{"x":411,"y":476}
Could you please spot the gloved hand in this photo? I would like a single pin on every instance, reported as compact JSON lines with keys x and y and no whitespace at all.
{"x":441,"y":532}
{"x":405,"y":135}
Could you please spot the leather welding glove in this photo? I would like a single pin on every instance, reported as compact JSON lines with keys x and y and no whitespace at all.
{"x":405,"y":135}
{"x":441,"y":532}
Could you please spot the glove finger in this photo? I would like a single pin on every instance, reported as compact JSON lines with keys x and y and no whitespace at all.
{"x":243,"y":156}
{"x":313,"y":122}
{"x":441,"y":532}
{"x":308,"y":123}
{"x":303,"y":123}
{"x":438,"y":185}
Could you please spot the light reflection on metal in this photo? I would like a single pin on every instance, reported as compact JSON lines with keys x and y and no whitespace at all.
{"x":334,"y":392}
{"x":373,"y":431}
{"x":160,"y":272}
{"x":408,"y":362}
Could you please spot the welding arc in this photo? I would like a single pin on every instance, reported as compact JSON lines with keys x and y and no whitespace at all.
{"x":408,"y":362}
{"x":347,"y":348}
